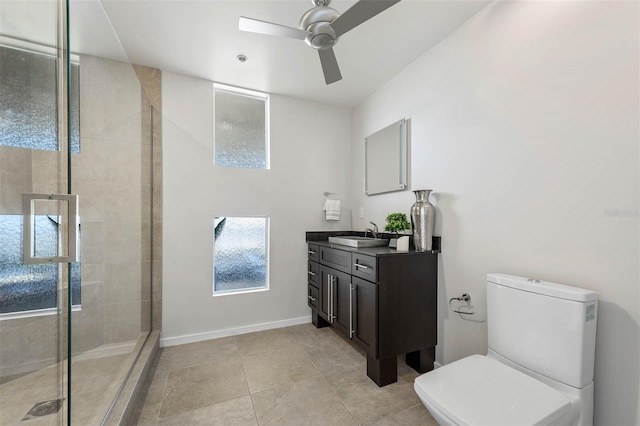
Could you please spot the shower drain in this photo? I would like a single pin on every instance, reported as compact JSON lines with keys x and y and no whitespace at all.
{"x":44,"y":408}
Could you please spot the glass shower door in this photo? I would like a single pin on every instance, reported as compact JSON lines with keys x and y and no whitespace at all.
{"x":34,"y":158}
{"x":112,"y":175}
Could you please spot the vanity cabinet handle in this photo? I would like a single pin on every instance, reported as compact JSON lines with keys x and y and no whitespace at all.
{"x":357,"y":265}
{"x":313,"y":299}
{"x":351,"y":330}
{"x":332,"y":288}
{"x":313,"y":274}
{"x":311,"y":252}
{"x":332,"y":293}
{"x":329,"y":302}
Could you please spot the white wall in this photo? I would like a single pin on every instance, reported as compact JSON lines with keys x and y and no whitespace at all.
{"x":525,"y":125}
{"x":310,"y":148}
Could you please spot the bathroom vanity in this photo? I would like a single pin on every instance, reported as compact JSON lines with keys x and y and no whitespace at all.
{"x":383,"y":300}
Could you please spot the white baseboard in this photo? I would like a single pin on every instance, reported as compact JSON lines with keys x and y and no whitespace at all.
{"x":436,"y":364}
{"x":199,"y":337}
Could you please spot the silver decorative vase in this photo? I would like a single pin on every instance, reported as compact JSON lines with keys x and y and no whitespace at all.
{"x":422,"y":217}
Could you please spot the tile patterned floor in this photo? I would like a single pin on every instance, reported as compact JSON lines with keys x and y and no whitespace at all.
{"x":290,"y":376}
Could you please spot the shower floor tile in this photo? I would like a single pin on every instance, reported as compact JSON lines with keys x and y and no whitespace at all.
{"x":276,"y":377}
{"x":93,"y":373}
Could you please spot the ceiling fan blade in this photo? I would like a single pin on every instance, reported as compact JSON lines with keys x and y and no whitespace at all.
{"x":329,"y":66}
{"x":263,"y":27}
{"x":359,"y":13}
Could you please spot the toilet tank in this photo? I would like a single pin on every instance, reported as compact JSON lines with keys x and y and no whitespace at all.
{"x":546,"y":327}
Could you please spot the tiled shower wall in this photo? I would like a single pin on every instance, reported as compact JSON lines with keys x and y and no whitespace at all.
{"x":107,"y":176}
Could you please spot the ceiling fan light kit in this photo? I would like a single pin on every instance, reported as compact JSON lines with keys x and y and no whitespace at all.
{"x":320,"y":28}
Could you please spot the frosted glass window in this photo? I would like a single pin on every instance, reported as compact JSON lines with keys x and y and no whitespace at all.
{"x":241,"y":136}
{"x":28,"y":111}
{"x":240,"y":254}
{"x":31,"y":287}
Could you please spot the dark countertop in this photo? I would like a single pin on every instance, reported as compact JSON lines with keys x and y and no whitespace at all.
{"x":321,"y":238}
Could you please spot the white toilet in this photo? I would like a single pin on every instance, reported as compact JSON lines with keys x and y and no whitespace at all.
{"x":539,"y":367}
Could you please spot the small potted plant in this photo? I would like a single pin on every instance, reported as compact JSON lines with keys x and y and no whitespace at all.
{"x":396,"y":222}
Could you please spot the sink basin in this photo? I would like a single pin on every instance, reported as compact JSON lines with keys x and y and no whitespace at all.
{"x":358,"y":242}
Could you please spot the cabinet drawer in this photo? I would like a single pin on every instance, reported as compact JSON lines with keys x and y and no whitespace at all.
{"x":364,"y":267}
{"x":313,"y":252}
{"x":312,"y":296}
{"x":312,"y":273}
{"x":337,"y":259}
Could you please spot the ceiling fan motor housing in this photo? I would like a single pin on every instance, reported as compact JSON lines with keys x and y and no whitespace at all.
{"x":317,"y":21}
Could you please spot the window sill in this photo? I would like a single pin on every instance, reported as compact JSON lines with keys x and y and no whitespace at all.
{"x":35,"y":313}
{"x":234,"y":292}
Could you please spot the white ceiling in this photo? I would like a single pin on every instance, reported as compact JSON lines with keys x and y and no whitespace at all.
{"x":201,"y":38}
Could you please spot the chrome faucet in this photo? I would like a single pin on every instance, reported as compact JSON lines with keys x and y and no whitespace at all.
{"x":374,"y":231}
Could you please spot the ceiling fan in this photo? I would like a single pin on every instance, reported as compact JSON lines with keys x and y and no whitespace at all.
{"x":320,"y":28}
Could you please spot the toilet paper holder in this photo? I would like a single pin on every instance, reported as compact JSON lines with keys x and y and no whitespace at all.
{"x":466,"y":297}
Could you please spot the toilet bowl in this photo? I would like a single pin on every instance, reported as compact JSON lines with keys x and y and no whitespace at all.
{"x":539,"y":367}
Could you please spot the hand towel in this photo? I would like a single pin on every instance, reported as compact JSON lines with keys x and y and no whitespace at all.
{"x":332,"y":209}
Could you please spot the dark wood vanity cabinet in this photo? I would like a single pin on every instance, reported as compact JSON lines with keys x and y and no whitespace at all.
{"x":383,"y":300}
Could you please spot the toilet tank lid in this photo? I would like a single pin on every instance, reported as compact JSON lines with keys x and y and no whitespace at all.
{"x":547,"y":288}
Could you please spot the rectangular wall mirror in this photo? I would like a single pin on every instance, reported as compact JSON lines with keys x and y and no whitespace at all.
{"x":385,"y":153}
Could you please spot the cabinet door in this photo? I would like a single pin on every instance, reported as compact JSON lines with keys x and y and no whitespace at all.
{"x":324,"y":292}
{"x":341,"y":301}
{"x":365,"y":315}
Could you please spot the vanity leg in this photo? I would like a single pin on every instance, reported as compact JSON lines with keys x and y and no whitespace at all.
{"x":421,"y":360}
{"x":382,"y":371}
{"x":317,"y":320}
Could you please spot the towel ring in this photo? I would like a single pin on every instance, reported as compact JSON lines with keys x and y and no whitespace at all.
{"x":464,"y":298}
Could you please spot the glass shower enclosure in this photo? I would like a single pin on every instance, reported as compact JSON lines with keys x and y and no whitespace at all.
{"x":76,"y":191}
